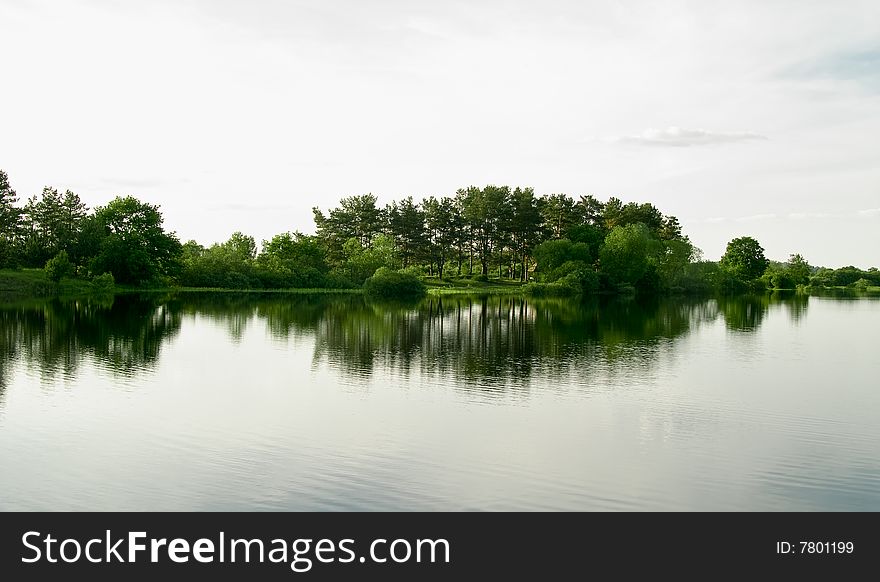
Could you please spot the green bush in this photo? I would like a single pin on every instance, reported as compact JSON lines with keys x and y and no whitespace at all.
{"x":389,"y":284}
{"x":103,"y":282}
{"x":59,"y":267}
{"x":481,"y":278}
{"x":565,"y":287}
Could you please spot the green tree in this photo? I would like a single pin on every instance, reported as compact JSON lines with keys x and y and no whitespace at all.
{"x":10,"y":222}
{"x":443,"y":232}
{"x":525,"y":227}
{"x":559,"y":214}
{"x":745,"y":258}
{"x":798,"y":269}
{"x":483,"y":210}
{"x":361,"y":262}
{"x":135,"y":247}
{"x":59,"y":267}
{"x":356,"y":217}
{"x":628,"y":253}
{"x":406,"y":224}
{"x":292,"y":260}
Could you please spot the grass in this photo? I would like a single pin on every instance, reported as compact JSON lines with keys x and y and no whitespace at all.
{"x":23,"y":283}
{"x":461,"y":286}
{"x":26,"y":283}
{"x":16,"y":283}
{"x":290,"y":291}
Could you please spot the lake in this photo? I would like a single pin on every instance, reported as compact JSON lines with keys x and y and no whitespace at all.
{"x":298,"y":402}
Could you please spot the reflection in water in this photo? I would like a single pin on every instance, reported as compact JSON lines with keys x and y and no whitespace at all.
{"x":490,"y":341}
{"x":124,"y":334}
{"x":294,"y":402}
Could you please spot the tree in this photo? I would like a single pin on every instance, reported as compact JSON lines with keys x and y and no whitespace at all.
{"x":443,"y":227}
{"x":745,"y":258}
{"x":525,"y":227}
{"x":356,"y":217}
{"x":59,"y":267}
{"x":675,"y":258}
{"x":10,"y":222}
{"x":135,"y":247}
{"x":292,"y":260}
{"x":361,"y":262}
{"x":627,"y":253}
{"x":798,"y":269}
{"x":559,"y":214}
{"x":241,"y":246}
{"x":484,"y":211}
{"x":406,"y":224}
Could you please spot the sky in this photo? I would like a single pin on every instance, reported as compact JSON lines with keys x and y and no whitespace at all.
{"x":758,"y":118}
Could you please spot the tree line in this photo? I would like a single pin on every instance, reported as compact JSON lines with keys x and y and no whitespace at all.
{"x":556,"y":244}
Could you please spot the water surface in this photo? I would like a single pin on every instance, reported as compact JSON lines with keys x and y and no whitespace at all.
{"x":242,"y":402}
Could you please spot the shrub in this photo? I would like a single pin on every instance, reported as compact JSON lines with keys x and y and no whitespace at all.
{"x":59,"y":266}
{"x":389,"y":284}
{"x":819,"y":281}
{"x":103,"y":282}
{"x":481,"y":278}
{"x":782,"y":280}
{"x":565,"y":287}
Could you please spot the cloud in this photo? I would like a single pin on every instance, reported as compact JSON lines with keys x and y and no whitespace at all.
{"x":870,"y":212}
{"x":756,"y":217}
{"x":681,"y":137}
{"x":806,"y":215}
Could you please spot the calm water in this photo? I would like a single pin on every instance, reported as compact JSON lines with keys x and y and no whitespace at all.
{"x":232,"y":402}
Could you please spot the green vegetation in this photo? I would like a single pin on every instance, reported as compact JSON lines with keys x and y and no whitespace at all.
{"x":494,"y":239}
{"x":388,"y":284}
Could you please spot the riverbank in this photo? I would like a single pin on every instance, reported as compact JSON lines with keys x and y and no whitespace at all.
{"x":23,"y":283}
{"x":33,"y":283}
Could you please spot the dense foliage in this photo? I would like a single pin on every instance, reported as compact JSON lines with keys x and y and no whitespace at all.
{"x":556,"y":243}
{"x":389,"y":284}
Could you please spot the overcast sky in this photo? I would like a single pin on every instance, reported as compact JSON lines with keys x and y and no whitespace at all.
{"x":741,"y":118}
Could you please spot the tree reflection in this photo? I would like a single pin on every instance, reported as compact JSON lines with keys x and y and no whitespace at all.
{"x":489,"y":340}
{"x":124,"y":333}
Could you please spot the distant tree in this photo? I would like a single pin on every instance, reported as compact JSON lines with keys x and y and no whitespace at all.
{"x":484,"y":211}
{"x":798,"y":269}
{"x":135,"y":247}
{"x":356,"y":217}
{"x":241,"y":246}
{"x":559,"y":214}
{"x":361,"y":262}
{"x":406,"y":224}
{"x":745,"y":258}
{"x":627,"y":253}
{"x":292,"y":260}
{"x":590,"y":210}
{"x":525,"y":227}
{"x":590,"y":235}
{"x":674,"y":261}
{"x":10,"y":222}
{"x":443,"y":231}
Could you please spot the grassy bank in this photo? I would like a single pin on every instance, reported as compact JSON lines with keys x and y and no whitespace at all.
{"x":35,"y":283}
{"x":472,"y":286}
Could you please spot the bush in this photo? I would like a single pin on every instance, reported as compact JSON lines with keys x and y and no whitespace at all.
{"x":481,"y":278}
{"x":782,"y":280}
{"x":103,"y":282}
{"x":59,"y":267}
{"x":389,"y":284}
{"x":819,"y":281}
